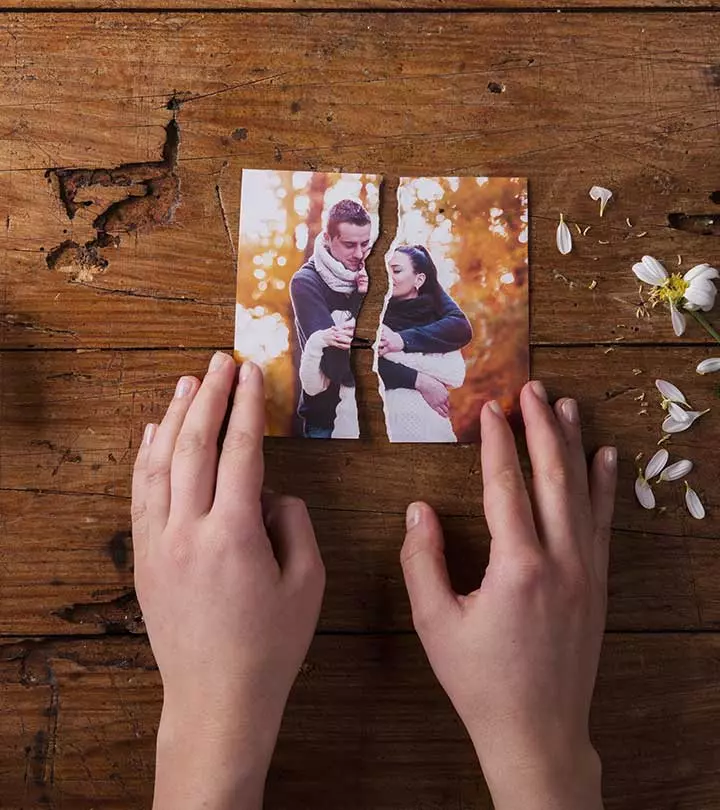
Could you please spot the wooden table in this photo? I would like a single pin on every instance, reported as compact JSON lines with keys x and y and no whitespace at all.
{"x":95,"y":334}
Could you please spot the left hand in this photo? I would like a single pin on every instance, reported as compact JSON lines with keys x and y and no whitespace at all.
{"x":389,"y":342}
{"x":230,"y":587}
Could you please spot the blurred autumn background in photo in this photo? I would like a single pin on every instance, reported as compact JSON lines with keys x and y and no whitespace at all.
{"x":281,"y":213}
{"x":476,"y":230}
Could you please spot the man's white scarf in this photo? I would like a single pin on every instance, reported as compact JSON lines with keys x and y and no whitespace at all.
{"x":332,"y":272}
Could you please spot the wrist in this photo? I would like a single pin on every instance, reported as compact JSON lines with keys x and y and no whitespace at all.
{"x":203,"y":763}
{"x":545,"y":780}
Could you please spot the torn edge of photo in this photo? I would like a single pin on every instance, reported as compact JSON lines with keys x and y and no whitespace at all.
{"x":454,"y":330}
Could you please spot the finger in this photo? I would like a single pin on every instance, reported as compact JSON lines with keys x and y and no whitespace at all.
{"x":241,"y":469}
{"x":568,"y":416}
{"x":293,"y":538}
{"x":138,"y":508}
{"x":558,"y":499}
{"x":424,"y":568}
{"x":505,"y":498}
{"x":603,"y":481}
{"x":194,"y":466}
{"x":160,"y":455}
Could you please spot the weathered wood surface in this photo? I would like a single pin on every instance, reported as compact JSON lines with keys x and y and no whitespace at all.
{"x":367,"y":726}
{"x":68,"y":570}
{"x":629,"y":100}
{"x":169,"y":107}
{"x":72,"y":422}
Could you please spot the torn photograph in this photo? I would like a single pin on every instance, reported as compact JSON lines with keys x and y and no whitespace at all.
{"x":301,"y":279}
{"x":454,"y":332}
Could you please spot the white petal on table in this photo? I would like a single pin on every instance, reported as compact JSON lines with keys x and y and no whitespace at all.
{"x":671,"y":425}
{"x":671,"y":392}
{"x":563,"y":237}
{"x":708,"y":366}
{"x":650,"y":271}
{"x":678,"y":414}
{"x":694,"y":504}
{"x":602,"y":194}
{"x":677,"y":470}
{"x":657,"y":463}
{"x":644,"y":493}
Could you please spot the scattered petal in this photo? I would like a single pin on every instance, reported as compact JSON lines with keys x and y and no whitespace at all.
{"x":656,"y":464}
{"x":708,"y":366}
{"x":677,"y":470}
{"x":602,"y":194}
{"x":644,"y":493}
{"x":650,"y":271}
{"x":564,"y":237}
{"x":678,"y":320}
{"x":678,"y":414}
{"x":694,"y":504}
{"x":671,"y":425}
{"x":671,"y":392}
{"x":704,"y":271}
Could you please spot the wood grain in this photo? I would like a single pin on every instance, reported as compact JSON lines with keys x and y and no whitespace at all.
{"x":392,"y":93}
{"x":72,"y":423}
{"x":366,"y":710}
{"x":68,"y":570}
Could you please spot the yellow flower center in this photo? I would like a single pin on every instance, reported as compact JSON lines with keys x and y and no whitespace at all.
{"x":671,"y":292}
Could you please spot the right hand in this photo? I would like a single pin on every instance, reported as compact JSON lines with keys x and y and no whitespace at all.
{"x":434,"y":393}
{"x":518,"y":656}
{"x":339,"y":337}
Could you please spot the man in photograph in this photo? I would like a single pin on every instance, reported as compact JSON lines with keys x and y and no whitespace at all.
{"x":326,"y":295}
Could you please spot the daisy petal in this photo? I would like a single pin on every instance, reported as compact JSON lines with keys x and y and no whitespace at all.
{"x":644,"y":493}
{"x":654,"y":266}
{"x":709,"y":365}
{"x":677,"y":413}
{"x":677,"y":470}
{"x":602,"y":194}
{"x":671,"y":425}
{"x":646,"y":275}
{"x":694,"y":504}
{"x":704,"y":271}
{"x":657,"y":463}
{"x":678,"y":320}
{"x":563,"y":237}
{"x":671,"y":392}
{"x":702,"y":294}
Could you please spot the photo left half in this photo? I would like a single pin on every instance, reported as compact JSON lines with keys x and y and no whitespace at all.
{"x":301,"y":279}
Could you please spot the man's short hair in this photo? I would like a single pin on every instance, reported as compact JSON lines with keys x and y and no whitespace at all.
{"x":346,"y":211}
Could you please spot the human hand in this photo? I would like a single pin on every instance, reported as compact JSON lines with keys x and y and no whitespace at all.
{"x":339,"y":337}
{"x":434,"y":393}
{"x":389,"y":341}
{"x":230,"y":587}
{"x":363,"y":281}
{"x":518,"y":657}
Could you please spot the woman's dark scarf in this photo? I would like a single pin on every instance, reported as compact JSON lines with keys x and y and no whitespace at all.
{"x":405,"y":314}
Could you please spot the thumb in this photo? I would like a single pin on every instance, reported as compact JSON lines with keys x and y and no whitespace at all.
{"x":424,"y":567}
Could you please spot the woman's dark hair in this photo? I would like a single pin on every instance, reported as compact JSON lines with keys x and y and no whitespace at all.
{"x":422,"y":262}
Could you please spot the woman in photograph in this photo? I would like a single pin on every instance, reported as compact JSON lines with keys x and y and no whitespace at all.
{"x":416,"y":300}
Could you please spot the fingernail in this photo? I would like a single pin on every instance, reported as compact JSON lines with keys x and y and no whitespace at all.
{"x":569,"y":410}
{"x":149,"y":434}
{"x":412,"y":516}
{"x":539,"y":390}
{"x":494,"y":406}
{"x":183,"y":387}
{"x":217,"y":361}
{"x":245,"y":371}
{"x":610,"y":458}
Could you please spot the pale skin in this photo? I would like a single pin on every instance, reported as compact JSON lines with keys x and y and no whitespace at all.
{"x":230,"y":581}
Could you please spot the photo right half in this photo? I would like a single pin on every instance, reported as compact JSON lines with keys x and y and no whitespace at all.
{"x":454,"y":332}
